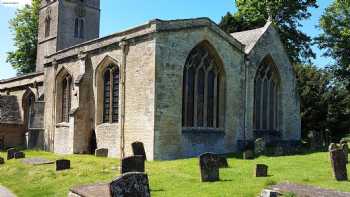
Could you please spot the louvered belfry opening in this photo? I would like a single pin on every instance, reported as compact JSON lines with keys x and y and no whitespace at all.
{"x":202,"y":79}
{"x":266,"y":97}
{"x":111,"y":94}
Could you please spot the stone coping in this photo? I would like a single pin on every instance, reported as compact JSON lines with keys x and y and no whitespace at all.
{"x":93,"y":190}
{"x":151,"y":27}
{"x":30,"y":75}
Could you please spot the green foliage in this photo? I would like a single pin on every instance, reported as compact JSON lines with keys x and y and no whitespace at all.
{"x":313,"y":87}
{"x":324,"y":103}
{"x":25,"y":28}
{"x":169,"y":178}
{"x":335,"y":38}
{"x":286,"y":15}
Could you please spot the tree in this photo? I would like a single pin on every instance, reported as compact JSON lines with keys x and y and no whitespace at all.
{"x":313,"y":88}
{"x":25,"y":28}
{"x":335,"y":39}
{"x":286,"y":15}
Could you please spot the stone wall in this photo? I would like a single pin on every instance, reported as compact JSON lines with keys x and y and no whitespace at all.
{"x":289,"y":105}
{"x":172,"y":50}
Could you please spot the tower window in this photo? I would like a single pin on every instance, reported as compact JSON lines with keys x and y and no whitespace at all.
{"x":79,"y":28}
{"x":47,"y":26}
{"x":66,"y":98}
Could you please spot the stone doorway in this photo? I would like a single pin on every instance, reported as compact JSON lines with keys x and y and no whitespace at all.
{"x":93,"y":142}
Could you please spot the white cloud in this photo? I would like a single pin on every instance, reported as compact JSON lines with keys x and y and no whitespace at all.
{"x":15,"y":3}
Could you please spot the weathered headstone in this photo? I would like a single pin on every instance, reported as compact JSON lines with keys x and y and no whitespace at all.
{"x":62,"y":164}
{"x":261,"y":170}
{"x":11,"y":153}
{"x":259,"y":146}
{"x":345,"y":149}
{"x":19,"y":155}
{"x":222,"y":162}
{"x":102,"y":152}
{"x":269,"y":193}
{"x":2,"y":161}
{"x":138,"y":149}
{"x":132,"y":184}
{"x":248,"y":154}
{"x":339,"y":164}
{"x":208,"y":163}
{"x":332,"y":146}
{"x":134,"y":163}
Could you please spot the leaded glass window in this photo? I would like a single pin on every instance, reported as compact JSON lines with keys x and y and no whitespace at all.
{"x":201,"y":89}
{"x":111,"y":94}
{"x":66,"y":98}
{"x":266,"y":97}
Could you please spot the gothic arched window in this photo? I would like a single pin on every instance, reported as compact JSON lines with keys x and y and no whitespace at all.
{"x":66,"y":98}
{"x":111,"y":94}
{"x":47,"y":26}
{"x":202,"y":91}
{"x":266,"y":97}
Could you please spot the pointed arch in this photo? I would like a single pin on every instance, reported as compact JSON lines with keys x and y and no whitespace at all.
{"x":107,"y":77}
{"x":203,"y":88}
{"x":266,"y":96}
{"x":28,"y":100}
{"x":64,"y":87}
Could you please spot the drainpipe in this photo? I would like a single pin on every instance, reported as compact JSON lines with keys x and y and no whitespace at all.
{"x":246,"y":64}
{"x":125,"y":49}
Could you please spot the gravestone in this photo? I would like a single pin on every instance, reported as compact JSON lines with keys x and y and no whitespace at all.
{"x":261,"y":170}
{"x":11,"y":153}
{"x":278,"y":151}
{"x":269,"y":193}
{"x":139,"y":149}
{"x":209,"y":167}
{"x":2,"y":161}
{"x":19,"y":155}
{"x":339,"y":164}
{"x":222,"y":162}
{"x":133,"y":164}
{"x":248,"y":154}
{"x":345,"y":149}
{"x":101,"y":152}
{"x":132,"y":184}
{"x":332,"y":146}
{"x":62,"y":164}
{"x":259,"y":146}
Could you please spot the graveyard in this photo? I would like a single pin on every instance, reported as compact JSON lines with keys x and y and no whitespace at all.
{"x":169,"y":178}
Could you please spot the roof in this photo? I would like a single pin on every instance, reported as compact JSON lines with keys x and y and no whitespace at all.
{"x":151,"y":27}
{"x":250,"y":37}
{"x":22,"y":81}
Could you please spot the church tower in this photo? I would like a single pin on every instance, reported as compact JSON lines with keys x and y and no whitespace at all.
{"x":65,"y":23}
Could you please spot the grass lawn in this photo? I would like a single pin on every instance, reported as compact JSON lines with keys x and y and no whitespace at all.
{"x":168,"y":178}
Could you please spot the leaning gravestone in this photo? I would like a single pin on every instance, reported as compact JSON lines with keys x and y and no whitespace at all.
{"x":62,"y":164}
{"x":2,"y":161}
{"x":102,"y":152}
{"x":209,"y":167}
{"x":19,"y":155}
{"x":139,"y":149}
{"x":248,"y":154}
{"x":345,"y":149}
{"x":259,"y":146}
{"x":222,"y":162}
{"x":339,"y":164}
{"x":11,"y":153}
{"x":261,"y":170}
{"x":133,"y":164}
{"x":132,"y":184}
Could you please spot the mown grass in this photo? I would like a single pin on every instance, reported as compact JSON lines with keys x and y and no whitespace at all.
{"x":169,"y":178}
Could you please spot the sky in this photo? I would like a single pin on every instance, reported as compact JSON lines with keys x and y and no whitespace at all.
{"x":117,"y":15}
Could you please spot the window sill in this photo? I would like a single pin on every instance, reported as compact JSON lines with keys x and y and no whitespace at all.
{"x":107,"y":124}
{"x":203,"y":130}
{"x":62,"y":124}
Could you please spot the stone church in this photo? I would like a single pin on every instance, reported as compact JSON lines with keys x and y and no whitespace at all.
{"x":182,"y":87}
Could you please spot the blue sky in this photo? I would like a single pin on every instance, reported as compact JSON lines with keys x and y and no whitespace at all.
{"x":117,"y":15}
